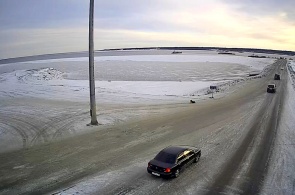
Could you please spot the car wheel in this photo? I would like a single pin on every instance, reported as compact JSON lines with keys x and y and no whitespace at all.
{"x":176,"y":173}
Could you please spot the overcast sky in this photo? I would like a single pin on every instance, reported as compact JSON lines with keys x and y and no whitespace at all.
{"x":30,"y":27}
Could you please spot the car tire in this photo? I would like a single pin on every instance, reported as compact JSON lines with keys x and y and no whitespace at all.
{"x":176,"y":173}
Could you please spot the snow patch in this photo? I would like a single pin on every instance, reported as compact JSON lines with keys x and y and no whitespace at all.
{"x":44,"y":74}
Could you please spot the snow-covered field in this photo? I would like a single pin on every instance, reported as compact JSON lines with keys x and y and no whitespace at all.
{"x":141,"y":79}
{"x":144,"y":79}
{"x":48,"y":83}
{"x":122,"y":82}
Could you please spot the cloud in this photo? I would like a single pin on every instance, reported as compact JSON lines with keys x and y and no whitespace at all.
{"x":26,"y":42}
{"x":35,"y":27}
{"x":260,"y":8}
{"x":15,"y":14}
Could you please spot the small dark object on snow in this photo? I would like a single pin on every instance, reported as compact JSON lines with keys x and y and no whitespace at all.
{"x":192,"y":101}
{"x":213,"y":87}
{"x":176,"y":52}
{"x":253,"y":74}
{"x":277,"y":77}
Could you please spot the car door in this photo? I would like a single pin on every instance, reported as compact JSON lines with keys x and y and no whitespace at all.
{"x":188,"y":156}
{"x":181,"y":160}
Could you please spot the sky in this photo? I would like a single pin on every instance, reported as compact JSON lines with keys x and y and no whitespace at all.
{"x":32,"y":27}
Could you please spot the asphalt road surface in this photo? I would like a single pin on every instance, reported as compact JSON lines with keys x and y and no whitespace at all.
{"x":235,"y":133}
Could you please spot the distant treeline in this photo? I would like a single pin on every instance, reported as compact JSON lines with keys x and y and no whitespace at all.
{"x":253,"y":50}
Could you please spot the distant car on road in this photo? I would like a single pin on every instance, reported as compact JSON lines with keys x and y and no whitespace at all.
{"x":277,"y":77}
{"x":271,"y":88}
{"x":282,"y":68}
{"x":170,"y":161}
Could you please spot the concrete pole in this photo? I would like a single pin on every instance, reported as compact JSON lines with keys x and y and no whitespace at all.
{"x":91,"y":67}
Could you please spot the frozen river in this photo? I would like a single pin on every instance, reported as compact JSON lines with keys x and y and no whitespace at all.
{"x":151,"y":76}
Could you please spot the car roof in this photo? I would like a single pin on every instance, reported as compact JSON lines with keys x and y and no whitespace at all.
{"x":174,"y":149}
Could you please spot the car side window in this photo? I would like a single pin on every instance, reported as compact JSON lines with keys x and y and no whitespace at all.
{"x":180,"y":157}
{"x":190,"y":153}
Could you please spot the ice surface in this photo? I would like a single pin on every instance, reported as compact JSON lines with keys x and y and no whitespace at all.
{"x":48,"y":83}
{"x":127,"y":78}
{"x":257,"y":63}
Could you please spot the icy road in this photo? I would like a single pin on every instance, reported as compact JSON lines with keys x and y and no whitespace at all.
{"x":246,"y":138}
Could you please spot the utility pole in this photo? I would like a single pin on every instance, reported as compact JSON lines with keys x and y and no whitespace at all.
{"x":91,"y":67}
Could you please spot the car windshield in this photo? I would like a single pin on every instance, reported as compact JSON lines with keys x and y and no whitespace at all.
{"x":166,"y":157}
{"x":271,"y":86}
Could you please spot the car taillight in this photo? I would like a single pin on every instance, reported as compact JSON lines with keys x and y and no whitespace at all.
{"x":167,"y":170}
{"x":149,"y":164}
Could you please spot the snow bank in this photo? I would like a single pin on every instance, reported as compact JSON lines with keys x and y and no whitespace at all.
{"x":291,"y":70}
{"x":42,"y":74}
{"x":292,"y":65}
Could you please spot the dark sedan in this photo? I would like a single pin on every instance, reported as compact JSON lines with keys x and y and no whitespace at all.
{"x":173,"y":159}
{"x":271,"y":88}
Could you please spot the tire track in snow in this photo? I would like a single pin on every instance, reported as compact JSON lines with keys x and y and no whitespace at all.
{"x":280,"y":178}
{"x":258,"y":168}
{"x":27,"y":126}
